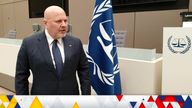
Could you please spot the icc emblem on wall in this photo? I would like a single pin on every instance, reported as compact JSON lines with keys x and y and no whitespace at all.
{"x":179,"y":45}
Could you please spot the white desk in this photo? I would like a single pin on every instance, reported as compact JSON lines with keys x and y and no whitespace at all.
{"x":176,"y":68}
{"x":140,"y":69}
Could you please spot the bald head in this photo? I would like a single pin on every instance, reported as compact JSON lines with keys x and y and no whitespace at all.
{"x":55,"y":21}
{"x":52,"y":11}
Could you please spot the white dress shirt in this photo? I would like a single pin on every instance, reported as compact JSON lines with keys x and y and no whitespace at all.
{"x":59,"y":44}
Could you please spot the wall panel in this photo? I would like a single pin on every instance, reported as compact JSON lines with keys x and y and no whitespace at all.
{"x":125,"y":21}
{"x":149,"y":27}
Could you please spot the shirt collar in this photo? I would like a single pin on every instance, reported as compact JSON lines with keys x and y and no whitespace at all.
{"x":50,"y":39}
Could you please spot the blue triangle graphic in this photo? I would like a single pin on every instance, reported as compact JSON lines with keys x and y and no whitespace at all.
{"x":17,"y":106}
{"x":133,"y":104}
{"x":187,"y":103}
{"x":9,"y":97}
{"x":162,"y":97}
{"x":179,"y":98}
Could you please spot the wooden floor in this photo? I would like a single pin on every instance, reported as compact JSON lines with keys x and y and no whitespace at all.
{"x":4,"y":91}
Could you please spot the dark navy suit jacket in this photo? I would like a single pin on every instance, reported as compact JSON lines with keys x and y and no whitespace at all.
{"x":34,"y":55}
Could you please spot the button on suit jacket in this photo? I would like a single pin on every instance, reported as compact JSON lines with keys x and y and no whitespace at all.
{"x":34,"y":55}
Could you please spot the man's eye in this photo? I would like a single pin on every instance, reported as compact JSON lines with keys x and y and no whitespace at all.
{"x":59,"y":21}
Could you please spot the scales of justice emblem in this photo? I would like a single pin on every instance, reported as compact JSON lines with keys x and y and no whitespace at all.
{"x":179,"y":45}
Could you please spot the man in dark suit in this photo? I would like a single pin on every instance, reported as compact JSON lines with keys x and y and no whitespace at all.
{"x":39,"y":53}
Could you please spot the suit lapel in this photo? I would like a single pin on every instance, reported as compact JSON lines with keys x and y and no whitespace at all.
{"x":67,"y":50}
{"x":45,"y":52}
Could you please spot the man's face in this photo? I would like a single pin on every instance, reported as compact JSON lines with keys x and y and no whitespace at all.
{"x":57,"y":25}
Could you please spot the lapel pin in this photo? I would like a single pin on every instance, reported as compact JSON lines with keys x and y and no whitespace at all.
{"x":70,"y":45}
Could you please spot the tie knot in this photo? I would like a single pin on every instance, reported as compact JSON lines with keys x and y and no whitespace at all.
{"x":55,"y":41}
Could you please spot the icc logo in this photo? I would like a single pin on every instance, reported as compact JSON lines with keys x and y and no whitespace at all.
{"x":179,"y":45}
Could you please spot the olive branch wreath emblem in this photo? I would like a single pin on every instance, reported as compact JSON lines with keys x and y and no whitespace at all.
{"x":104,"y":77}
{"x":181,"y":52}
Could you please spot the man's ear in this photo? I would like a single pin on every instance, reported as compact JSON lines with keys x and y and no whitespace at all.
{"x":44,"y":21}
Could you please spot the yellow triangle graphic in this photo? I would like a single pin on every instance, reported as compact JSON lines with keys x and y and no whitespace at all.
{"x":2,"y":106}
{"x":13,"y":103}
{"x":36,"y":103}
{"x":76,"y":105}
{"x":4,"y":98}
{"x":13,"y":100}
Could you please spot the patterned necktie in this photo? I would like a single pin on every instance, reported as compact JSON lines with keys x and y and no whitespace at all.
{"x":57,"y":58}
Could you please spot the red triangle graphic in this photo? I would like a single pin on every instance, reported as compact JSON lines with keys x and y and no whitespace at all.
{"x":119,"y":97}
{"x":180,"y":104}
{"x":169,"y":99}
{"x":150,"y":99}
{"x":159,"y":103}
{"x":169,"y":105}
{"x":142,"y":105}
